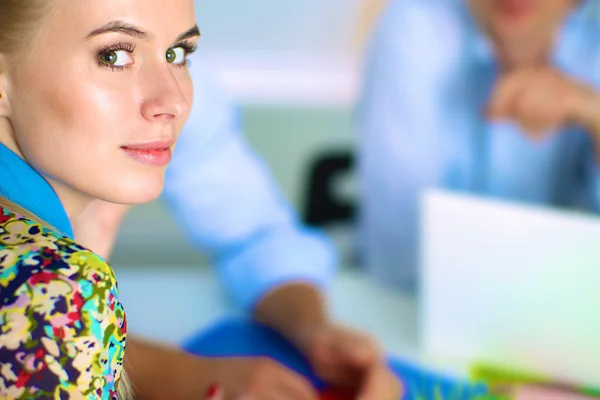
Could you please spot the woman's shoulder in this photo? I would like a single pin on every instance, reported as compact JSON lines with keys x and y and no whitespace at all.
{"x":29,"y":250}
{"x":60,"y":312}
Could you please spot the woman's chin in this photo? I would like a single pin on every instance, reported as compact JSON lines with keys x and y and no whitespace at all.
{"x":137,"y":192}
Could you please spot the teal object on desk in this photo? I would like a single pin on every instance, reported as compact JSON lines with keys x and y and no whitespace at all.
{"x":240,"y":337}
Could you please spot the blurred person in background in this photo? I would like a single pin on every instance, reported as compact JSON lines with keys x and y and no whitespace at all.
{"x":224,"y":197}
{"x":491,"y":97}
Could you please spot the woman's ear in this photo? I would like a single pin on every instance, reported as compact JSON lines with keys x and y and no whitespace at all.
{"x":4,"y":104}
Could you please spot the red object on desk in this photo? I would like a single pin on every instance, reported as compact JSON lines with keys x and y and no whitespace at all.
{"x":337,"y":393}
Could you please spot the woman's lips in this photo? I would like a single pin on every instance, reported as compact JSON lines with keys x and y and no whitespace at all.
{"x":154,"y":153}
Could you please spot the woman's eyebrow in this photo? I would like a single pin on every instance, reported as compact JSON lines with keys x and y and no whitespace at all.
{"x":119,"y":27}
{"x":128,"y":29}
{"x":192,"y":32}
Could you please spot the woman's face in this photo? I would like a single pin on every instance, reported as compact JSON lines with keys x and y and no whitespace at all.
{"x":98,"y":102}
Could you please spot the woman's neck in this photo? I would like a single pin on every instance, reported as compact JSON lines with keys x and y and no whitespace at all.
{"x":73,"y":201}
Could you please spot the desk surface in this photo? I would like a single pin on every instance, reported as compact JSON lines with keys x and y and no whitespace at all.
{"x":171,"y":303}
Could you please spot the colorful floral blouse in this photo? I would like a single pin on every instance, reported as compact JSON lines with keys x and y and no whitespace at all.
{"x":62,"y":327}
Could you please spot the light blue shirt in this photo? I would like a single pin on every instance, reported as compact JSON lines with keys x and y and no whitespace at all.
{"x":429,"y":74}
{"x":225,"y":198}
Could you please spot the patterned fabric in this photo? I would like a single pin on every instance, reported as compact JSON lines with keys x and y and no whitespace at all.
{"x":62,"y":327}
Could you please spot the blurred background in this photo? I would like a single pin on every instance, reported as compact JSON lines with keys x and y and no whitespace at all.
{"x":294,"y":67}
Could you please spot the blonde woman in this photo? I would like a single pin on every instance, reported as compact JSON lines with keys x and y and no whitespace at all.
{"x":93,"y":95}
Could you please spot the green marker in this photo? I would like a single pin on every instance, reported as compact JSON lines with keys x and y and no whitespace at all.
{"x":500,"y":378}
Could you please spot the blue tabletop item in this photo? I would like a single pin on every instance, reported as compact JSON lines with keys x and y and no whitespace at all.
{"x":240,"y":337}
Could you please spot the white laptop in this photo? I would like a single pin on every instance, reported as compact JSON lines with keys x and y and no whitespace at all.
{"x":512,"y":286}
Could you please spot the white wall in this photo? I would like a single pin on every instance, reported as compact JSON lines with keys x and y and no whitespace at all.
{"x":312,"y":27}
{"x":282,"y":51}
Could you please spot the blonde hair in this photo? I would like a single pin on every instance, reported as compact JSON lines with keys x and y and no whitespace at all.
{"x":20,"y":23}
{"x":124,"y":389}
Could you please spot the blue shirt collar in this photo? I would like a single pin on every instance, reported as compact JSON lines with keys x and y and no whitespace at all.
{"x":23,"y":185}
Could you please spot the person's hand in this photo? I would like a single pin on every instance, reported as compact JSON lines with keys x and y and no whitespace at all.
{"x":342,"y":357}
{"x":159,"y":372}
{"x":97,"y":226}
{"x":542,"y":100}
{"x":345,"y":357}
{"x":257,"y":379}
{"x":235,"y":378}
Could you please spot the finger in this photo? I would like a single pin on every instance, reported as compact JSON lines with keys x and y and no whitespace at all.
{"x":291,"y":386}
{"x":381,"y":384}
{"x":529,"y":116}
{"x":546,"y":104}
{"x":538,"y":112}
{"x":501,"y":102}
{"x":340,"y":374}
{"x":359,"y":350}
{"x":345,"y":358}
{"x":348,"y":345}
{"x":538,"y":129}
{"x":271,"y":380}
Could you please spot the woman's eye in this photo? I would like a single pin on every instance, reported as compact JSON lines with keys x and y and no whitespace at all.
{"x":176,"y":55}
{"x":117,"y":58}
